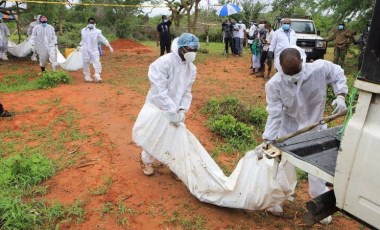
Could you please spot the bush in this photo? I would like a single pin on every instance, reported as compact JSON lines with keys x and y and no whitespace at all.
{"x":228,"y":127}
{"x":52,"y":79}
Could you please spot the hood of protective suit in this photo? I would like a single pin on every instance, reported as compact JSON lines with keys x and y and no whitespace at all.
{"x":174,"y":48}
{"x":303,"y":57}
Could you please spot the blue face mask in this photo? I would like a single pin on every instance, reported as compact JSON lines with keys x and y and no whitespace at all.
{"x":44,"y":24}
{"x":286,"y":27}
{"x":340,"y":27}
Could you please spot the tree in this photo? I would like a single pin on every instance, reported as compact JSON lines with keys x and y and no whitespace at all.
{"x":251,"y":10}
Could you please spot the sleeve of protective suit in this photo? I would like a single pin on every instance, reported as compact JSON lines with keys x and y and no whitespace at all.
{"x":334,"y":76}
{"x":30,"y":29}
{"x":7,"y":32}
{"x":54,"y":36}
{"x":103,"y":39}
{"x":275,"y":112}
{"x":273,"y":42}
{"x":158,"y":77}
{"x":34,"y":35}
{"x":187,"y":97}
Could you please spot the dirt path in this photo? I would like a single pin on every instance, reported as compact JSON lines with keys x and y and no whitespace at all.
{"x":107,"y":114}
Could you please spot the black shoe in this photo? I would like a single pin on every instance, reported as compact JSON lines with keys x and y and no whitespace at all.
{"x":6,"y":114}
{"x":43,"y":69}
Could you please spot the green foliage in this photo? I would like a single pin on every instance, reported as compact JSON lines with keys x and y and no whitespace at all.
{"x":229,"y":128}
{"x":236,"y":123}
{"x":52,"y":79}
{"x":15,"y":214}
{"x":24,"y":171}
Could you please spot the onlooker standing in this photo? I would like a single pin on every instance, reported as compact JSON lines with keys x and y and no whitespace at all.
{"x":44,"y":42}
{"x":242,"y":32}
{"x":250,"y":33}
{"x":164,"y":39}
{"x":236,"y":35}
{"x":256,"y":49}
{"x":90,"y":51}
{"x":227,"y":35}
{"x":4,"y":38}
{"x":342,"y":37}
{"x":268,"y":39}
{"x":29,"y":32}
{"x":362,"y":42}
{"x":282,"y":39}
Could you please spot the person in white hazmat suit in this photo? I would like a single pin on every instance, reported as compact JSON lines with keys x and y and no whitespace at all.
{"x":29,"y":32}
{"x":282,"y":38}
{"x":296,"y":98}
{"x":44,"y":43}
{"x":91,"y":36}
{"x":4,"y":38}
{"x":171,"y":77}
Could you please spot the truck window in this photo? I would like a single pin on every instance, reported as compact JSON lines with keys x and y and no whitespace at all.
{"x":303,"y":27}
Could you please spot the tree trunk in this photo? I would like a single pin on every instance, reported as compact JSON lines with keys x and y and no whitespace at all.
{"x":196,"y":13}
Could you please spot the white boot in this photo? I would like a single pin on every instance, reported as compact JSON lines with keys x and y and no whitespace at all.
{"x":34,"y":57}
{"x":326,"y":221}
{"x":5,"y":58}
{"x":276,"y":210}
{"x":97,"y":77}
{"x":88,"y":79}
{"x":148,"y":169}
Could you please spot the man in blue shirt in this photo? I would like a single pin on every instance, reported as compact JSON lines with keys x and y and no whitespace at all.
{"x":163,"y":34}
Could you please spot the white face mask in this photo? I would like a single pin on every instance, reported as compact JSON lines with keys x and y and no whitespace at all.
{"x":293,"y":78}
{"x":190,"y":56}
{"x":91,"y":26}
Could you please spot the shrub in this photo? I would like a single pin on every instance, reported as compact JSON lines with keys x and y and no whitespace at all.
{"x":52,"y":79}
{"x":236,"y":133}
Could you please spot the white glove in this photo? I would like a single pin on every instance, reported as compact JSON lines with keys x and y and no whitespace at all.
{"x":78,"y":48}
{"x":111,"y":49}
{"x":182,"y":116}
{"x":33,"y":48}
{"x":340,"y":104}
{"x":174,"y":118}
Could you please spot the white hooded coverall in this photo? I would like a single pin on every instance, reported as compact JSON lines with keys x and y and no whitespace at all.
{"x":280,"y":41}
{"x":4,"y":38}
{"x":90,"y":52}
{"x":293,"y":106}
{"x":171,"y":80}
{"x":45,"y":41}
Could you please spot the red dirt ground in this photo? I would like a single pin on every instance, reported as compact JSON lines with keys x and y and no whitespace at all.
{"x":109,"y":109}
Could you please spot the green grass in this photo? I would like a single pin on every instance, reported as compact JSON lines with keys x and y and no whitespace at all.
{"x":25,"y":162}
{"x":25,"y":82}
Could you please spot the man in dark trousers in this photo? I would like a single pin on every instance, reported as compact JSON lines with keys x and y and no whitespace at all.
{"x":163,"y":34}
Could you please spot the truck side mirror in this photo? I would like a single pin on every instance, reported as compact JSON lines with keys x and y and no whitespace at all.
{"x":318,"y":32}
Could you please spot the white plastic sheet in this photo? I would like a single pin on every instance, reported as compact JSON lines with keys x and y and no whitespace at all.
{"x":21,"y":50}
{"x":72,"y":63}
{"x":250,"y":186}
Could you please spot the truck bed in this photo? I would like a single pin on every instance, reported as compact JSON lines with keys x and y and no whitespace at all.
{"x":314,"y":152}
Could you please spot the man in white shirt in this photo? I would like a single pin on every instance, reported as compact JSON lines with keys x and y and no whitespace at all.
{"x":283,"y":38}
{"x":236,"y":35}
{"x":242,"y":29}
{"x":268,"y":39}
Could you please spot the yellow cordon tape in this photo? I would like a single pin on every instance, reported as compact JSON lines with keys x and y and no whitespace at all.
{"x":86,"y":4}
